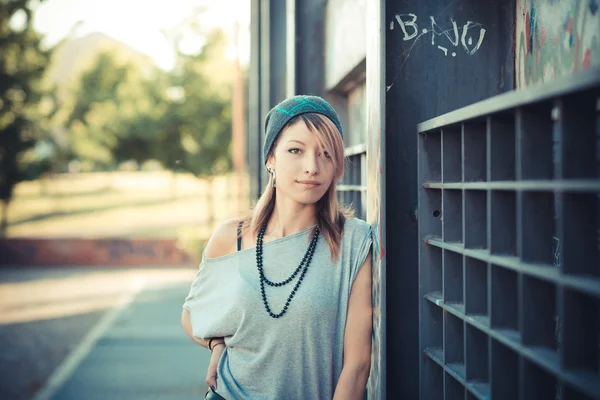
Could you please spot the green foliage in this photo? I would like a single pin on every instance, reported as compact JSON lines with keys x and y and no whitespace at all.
{"x":22,"y":65}
{"x":180,"y":118}
{"x":98,"y":85}
{"x":195,"y":131}
{"x":105,"y":104}
{"x":117,"y":111}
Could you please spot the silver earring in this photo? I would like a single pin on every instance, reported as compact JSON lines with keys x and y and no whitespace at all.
{"x":274,"y":179}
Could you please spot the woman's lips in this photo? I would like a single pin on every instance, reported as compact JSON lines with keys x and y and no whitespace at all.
{"x":309,"y":184}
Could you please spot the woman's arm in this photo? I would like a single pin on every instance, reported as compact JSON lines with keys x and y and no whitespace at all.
{"x":223,"y":241}
{"x":218,"y":346}
{"x":187,"y":327}
{"x":357,"y":338}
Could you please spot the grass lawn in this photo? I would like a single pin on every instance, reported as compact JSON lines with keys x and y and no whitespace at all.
{"x":123,"y":205}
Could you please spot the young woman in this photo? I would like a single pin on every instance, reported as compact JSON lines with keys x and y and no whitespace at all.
{"x":283,"y":298}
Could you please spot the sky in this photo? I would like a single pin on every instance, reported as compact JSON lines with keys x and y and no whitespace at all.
{"x":138,"y":23}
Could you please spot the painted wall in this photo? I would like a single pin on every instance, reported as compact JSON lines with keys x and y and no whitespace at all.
{"x":345,"y":38}
{"x":440,"y":55}
{"x":375,"y":123}
{"x":555,"y":38}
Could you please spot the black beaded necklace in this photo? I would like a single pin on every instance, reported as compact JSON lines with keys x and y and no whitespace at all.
{"x":263,"y":279}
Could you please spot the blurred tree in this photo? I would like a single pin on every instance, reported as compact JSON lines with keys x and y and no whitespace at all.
{"x":115,"y":112}
{"x":181,"y":118}
{"x":194,"y":133}
{"x":94,"y":120}
{"x":140,"y":127}
{"x":22,"y":65}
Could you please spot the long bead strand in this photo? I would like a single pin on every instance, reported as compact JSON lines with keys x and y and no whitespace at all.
{"x":302,"y":267}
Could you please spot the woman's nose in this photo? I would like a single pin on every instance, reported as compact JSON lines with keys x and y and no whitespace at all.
{"x":312,"y":165}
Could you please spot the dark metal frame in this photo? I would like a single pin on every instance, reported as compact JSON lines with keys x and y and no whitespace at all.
{"x":422,"y":83}
{"x":509,"y":263}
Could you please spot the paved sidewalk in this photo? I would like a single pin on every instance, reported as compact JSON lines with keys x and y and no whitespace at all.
{"x":140,"y":352}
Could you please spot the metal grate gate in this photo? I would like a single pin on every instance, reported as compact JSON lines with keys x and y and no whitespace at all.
{"x":509,"y":263}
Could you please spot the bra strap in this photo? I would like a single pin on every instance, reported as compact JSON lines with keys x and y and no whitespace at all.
{"x":239,"y":233}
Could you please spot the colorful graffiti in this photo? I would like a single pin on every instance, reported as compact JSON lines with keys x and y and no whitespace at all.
{"x":469,"y":36}
{"x":555,"y":38}
{"x":376,"y":193}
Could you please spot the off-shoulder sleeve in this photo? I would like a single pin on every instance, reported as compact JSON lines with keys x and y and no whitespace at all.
{"x":211,"y":300}
{"x":361,"y":239}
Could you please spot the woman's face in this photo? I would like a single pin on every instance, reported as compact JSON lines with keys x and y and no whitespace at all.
{"x":303,"y":170}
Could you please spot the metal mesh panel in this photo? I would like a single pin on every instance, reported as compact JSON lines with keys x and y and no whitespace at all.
{"x":509,"y":268}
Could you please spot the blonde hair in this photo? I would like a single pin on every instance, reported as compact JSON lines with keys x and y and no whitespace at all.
{"x":331,"y":214}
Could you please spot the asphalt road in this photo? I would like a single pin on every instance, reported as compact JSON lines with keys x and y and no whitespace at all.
{"x":97,"y":333}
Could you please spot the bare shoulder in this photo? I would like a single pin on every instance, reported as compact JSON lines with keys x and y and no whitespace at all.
{"x":223,"y":240}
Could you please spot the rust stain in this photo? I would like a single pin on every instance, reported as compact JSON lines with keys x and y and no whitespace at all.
{"x":587,"y":59}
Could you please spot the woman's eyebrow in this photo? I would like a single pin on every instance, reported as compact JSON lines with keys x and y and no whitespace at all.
{"x":294,"y":140}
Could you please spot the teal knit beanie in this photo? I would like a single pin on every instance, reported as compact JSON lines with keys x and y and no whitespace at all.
{"x":283,"y":112}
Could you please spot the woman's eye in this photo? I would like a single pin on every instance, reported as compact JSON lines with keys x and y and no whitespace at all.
{"x":294,"y":151}
{"x":327,"y":155}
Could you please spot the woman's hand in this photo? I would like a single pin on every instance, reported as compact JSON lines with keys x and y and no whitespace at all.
{"x":211,"y":374}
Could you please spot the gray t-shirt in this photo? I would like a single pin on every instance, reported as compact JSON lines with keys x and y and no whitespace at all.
{"x":297,"y":356}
